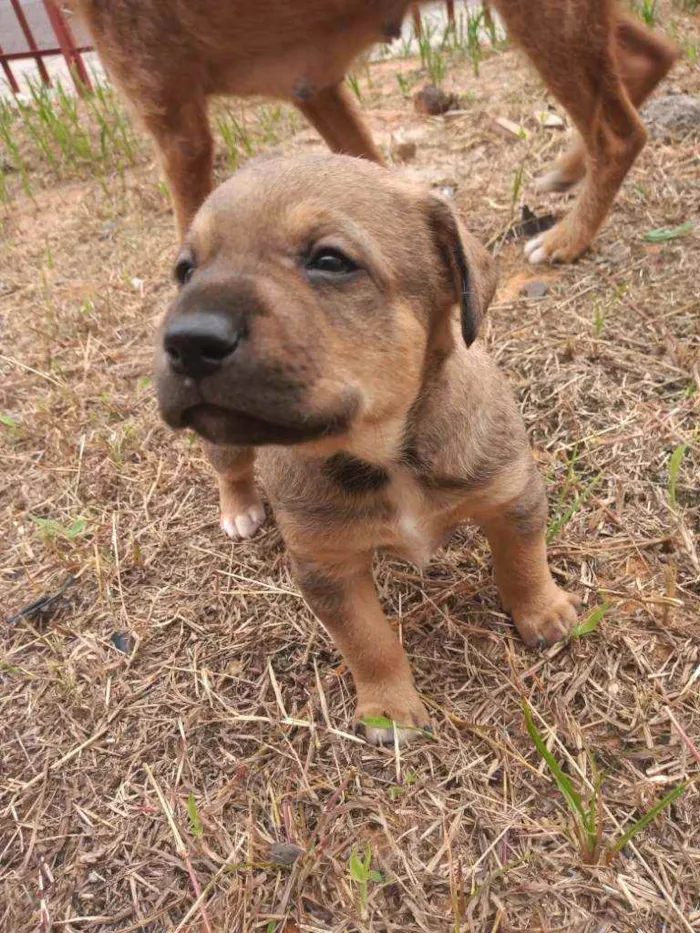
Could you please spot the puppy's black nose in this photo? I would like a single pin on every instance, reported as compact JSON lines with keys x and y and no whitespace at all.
{"x":197,"y":344}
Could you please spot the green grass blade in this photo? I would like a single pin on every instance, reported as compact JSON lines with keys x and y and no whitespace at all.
{"x":591,"y":623}
{"x":648,"y":818}
{"x":76,"y":529}
{"x":674,"y":468}
{"x":563,"y":781}
{"x":662,"y":234}
{"x":578,"y":502}
{"x":377,"y":722}
{"x":193,"y":813}
{"x":358,"y":871}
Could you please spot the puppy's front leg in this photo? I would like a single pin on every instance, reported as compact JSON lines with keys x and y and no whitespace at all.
{"x":542,"y":611}
{"x":242,"y":512}
{"x":344,"y":599}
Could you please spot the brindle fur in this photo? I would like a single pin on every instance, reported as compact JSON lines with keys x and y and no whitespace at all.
{"x":413,"y":432}
{"x":170,"y":56}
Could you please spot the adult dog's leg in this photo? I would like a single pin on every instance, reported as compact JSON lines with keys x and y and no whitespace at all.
{"x":336,"y":117}
{"x":242,"y":512}
{"x":181,"y":130}
{"x":344,"y":599}
{"x":572,"y":44}
{"x":643,"y":59}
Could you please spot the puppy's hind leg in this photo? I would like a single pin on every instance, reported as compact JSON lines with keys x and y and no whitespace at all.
{"x":344,"y":599}
{"x":334,"y":114}
{"x":242,"y":511}
{"x":543,"y":612}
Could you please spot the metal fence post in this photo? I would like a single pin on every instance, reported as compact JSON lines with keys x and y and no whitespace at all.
{"x":11,"y":80}
{"x":65,"y":39}
{"x":31,"y":42}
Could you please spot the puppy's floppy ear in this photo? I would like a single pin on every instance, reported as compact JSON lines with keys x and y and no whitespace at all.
{"x":467,"y":266}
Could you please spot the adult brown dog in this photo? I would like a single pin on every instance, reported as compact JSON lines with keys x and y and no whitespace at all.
{"x":169,"y":56}
{"x":328,"y":316}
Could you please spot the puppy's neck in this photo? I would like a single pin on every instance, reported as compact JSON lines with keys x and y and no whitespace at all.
{"x":384,"y":442}
{"x":379,"y":443}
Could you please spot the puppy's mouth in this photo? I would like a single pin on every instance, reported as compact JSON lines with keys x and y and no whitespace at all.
{"x":224,"y":426}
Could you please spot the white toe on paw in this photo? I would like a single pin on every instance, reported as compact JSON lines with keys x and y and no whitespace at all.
{"x":228,"y":526}
{"x":245,"y":524}
{"x":538,"y":255}
{"x":533,"y":245}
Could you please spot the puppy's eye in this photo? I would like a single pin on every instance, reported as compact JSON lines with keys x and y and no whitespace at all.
{"x":331,"y":262}
{"x":184,"y":270}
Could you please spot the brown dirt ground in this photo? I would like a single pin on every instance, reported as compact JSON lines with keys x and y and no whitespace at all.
{"x":234,"y":695}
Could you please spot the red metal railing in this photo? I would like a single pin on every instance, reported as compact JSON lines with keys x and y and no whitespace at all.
{"x":65,"y":45}
{"x":418,"y":23}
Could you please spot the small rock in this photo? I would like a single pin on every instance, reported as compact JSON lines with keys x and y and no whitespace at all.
{"x":534,"y":290}
{"x":431,"y":101}
{"x":284,"y":853}
{"x":235,"y":668}
{"x":123,"y":642}
{"x":108,"y":230}
{"x":404,"y":144}
{"x":510,"y":129}
{"x":672,"y":116}
{"x":403,"y":150}
{"x":549,"y":119}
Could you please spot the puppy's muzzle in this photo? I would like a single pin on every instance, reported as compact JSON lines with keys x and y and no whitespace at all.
{"x":237,"y":371}
{"x":199,"y":343}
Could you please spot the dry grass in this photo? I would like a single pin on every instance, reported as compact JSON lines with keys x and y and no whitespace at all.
{"x":132,"y":781}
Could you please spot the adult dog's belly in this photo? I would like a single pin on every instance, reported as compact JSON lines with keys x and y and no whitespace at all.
{"x":299,"y":52}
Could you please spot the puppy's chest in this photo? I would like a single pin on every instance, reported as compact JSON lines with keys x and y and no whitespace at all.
{"x":416,"y":522}
{"x":354,"y":507}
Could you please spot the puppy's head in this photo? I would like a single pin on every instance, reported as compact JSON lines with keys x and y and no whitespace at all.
{"x":314,"y":292}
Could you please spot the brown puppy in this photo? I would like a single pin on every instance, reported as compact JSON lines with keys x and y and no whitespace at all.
{"x":169,"y":56}
{"x":328,"y":315}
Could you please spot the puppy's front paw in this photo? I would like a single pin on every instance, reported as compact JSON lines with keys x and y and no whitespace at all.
{"x":243,"y":521}
{"x":381,"y":711}
{"x":546,"y":619}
